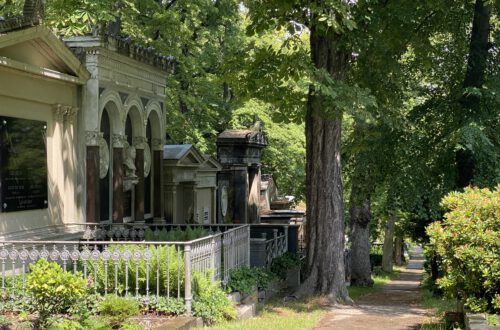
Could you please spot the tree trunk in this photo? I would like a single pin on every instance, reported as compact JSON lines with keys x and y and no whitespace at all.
{"x":474,"y":77}
{"x":325,"y":269}
{"x":360,"y":216}
{"x":388,"y":242}
{"x":398,"y":251}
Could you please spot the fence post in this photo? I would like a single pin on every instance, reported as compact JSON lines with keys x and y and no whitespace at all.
{"x":187,"y":281}
{"x":212,"y":259}
{"x":248,"y":245}
{"x":286,"y":239}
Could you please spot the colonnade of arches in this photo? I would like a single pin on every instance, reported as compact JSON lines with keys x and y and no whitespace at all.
{"x":126,"y":185}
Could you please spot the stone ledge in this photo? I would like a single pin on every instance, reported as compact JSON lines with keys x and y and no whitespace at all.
{"x":478,"y":322}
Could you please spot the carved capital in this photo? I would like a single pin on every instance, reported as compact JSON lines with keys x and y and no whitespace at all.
{"x":92,"y":138}
{"x":157,"y":144}
{"x":118,"y":140}
{"x":139,"y":142}
{"x":64,"y":112}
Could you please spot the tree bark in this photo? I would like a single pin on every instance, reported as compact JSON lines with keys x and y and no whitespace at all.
{"x":360,"y":216}
{"x":325,"y":269}
{"x":388,"y":244}
{"x":398,"y":251}
{"x":474,"y":77}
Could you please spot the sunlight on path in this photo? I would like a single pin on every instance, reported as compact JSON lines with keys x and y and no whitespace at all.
{"x":395,"y":307}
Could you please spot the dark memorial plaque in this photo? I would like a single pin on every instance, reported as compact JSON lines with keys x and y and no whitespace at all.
{"x":23,"y":164}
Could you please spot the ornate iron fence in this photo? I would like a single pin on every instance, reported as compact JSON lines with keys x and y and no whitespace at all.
{"x":130,"y":267}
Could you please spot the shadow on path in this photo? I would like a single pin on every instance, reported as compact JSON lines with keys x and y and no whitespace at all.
{"x":395,"y":307}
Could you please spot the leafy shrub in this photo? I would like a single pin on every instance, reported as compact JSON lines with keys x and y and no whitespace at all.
{"x":61,"y":323}
{"x":210,"y":301}
{"x":246,"y":279}
{"x":168,"y":306}
{"x":287,"y":261}
{"x":169,"y":260}
{"x":468,"y":244}
{"x":53,"y":290}
{"x":116,"y":310}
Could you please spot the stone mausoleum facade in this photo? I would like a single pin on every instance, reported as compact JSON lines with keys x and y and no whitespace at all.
{"x":82,"y":126}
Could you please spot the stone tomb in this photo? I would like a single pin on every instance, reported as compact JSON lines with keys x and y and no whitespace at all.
{"x":123,"y":125}
{"x":239,"y":152}
{"x":190,"y":180}
{"x":40,"y":84}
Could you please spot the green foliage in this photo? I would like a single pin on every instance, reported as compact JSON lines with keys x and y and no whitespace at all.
{"x":468,"y":244}
{"x":285,"y":262}
{"x":115,"y":310}
{"x":284,"y":157}
{"x":175,"y":235}
{"x":53,"y":290}
{"x":168,"y":305}
{"x":247,"y":279}
{"x":169,"y":261}
{"x":210,"y":301}
{"x":62,"y":323}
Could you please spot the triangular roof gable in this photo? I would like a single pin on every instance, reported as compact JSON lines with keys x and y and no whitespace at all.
{"x":183,"y":154}
{"x":211,"y":163}
{"x":39,"y":47}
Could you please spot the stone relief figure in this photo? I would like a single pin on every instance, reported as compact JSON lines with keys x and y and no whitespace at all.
{"x":103,"y":156}
{"x":130,"y":178}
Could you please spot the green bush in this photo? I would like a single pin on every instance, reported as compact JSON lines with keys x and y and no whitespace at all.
{"x":246,"y":279}
{"x":287,"y":261}
{"x":210,"y":301}
{"x":168,"y":305}
{"x":116,"y":310}
{"x":170,"y":272}
{"x":468,"y":245}
{"x":53,"y":290}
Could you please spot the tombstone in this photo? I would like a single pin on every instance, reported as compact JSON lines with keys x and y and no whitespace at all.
{"x":239,"y":152}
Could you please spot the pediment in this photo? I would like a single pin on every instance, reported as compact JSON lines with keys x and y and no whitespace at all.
{"x":183,"y":155}
{"x":39,"y":48}
{"x":211,"y":164}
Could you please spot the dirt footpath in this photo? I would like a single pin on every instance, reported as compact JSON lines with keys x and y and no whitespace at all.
{"x":395,"y":307}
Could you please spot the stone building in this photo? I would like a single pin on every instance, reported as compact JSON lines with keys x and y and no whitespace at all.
{"x":190,"y":182}
{"x":40,"y":88}
{"x":122,"y":124}
{"x":239,"y":152}
{"x":82,"y":127}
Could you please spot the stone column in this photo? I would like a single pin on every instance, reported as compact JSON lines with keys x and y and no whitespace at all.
{"x":118,"y":142}
{"x":240,"y":194}
{"x":157,"y":180}
{"x":93,"y":161}
{"x":139,"y":142}
{"x":213,"y":205}
{"x":171,"y":203}
{"x":197,"y":216}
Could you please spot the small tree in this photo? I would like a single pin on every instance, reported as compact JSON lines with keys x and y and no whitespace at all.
{"x":468,"y":242}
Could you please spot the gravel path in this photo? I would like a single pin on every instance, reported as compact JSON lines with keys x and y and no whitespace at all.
{"x":395,"y":307}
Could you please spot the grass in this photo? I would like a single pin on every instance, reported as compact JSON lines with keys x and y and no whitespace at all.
{"x":278,"y":314}
{"x":380,"y":278}
{"x":300,"y":314}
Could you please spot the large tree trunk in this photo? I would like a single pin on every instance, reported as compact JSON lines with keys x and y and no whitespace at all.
{"x":388,"y":244}
{"x":474,"y":78}
{"x":360,"y":216}
{"x":325,"y":269}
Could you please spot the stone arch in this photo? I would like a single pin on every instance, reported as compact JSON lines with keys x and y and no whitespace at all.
{"x":110,"y":100}
{"x":135,"y":110}
{"x":155,"y":116}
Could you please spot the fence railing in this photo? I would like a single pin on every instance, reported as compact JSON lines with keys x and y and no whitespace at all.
{"x":269,"y":247}
{"x":129,"y":267}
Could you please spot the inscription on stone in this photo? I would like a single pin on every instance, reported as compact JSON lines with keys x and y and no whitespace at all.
{"x":23,"y":164}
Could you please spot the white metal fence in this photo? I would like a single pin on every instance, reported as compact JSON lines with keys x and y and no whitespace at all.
{"x":129,"y":267}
